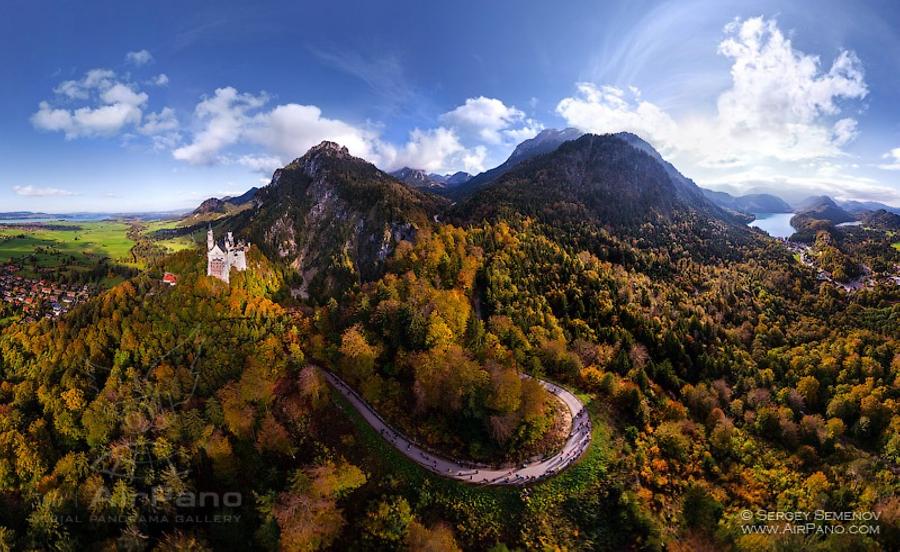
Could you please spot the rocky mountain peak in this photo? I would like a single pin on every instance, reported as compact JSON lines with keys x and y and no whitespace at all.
{"x":328,"y":148}
{"x":545,"y":141}
{"x":316,"y":158}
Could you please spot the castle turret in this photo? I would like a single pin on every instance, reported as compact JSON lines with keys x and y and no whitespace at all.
{"x":220,"y":262}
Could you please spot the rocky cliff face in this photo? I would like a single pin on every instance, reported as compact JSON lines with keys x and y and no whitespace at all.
{"x":334,"y":218}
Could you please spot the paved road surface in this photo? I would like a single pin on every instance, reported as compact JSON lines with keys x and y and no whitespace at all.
{"x":576,"y":444}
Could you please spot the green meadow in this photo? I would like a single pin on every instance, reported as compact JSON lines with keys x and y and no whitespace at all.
{"x":173,"y":245}
{"x":81,"y":247}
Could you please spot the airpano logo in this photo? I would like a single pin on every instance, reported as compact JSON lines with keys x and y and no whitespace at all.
{"x":142,"y":474}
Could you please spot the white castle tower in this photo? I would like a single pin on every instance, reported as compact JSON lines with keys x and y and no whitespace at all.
{"x":220,"y":261}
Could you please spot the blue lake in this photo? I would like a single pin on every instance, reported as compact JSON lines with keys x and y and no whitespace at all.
{"x":30,"y":220}
{"x":777,"y":225}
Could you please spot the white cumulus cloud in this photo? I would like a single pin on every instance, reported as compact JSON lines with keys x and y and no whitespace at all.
{"x":139,"y":57}
{"x":774,"y":128}
{"x":160,"y":80}
{"x":290,"y":130}
{"x":221,"y":120}
{"x":779,"y":106}
{"x":109,"y":105}
{"x":490,"y":121}
{"x":260,"y":163}
{"x":230,"y":120}
{"x":428,"y":150}
{"x":605,"y":109}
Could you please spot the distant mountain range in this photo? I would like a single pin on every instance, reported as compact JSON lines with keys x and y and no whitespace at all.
{"x":337,"y":218}
{"x":882,"y":219}
{"x":460,"y":185}
{"x":815,"y":214}
{"x":420,"y":179}
{"x":224,"y":205}
{"x":81,"y":216}
{"x":860,"y":206}
{"x":752,"y":204}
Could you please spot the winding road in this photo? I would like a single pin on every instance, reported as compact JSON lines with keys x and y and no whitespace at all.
{"x":577,"y":442}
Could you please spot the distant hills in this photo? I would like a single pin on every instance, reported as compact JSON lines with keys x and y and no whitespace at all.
{"x":82,"y":216}
{"x":752,"y":204}
{"x":861,"y":206}
{"x":418,"y":178}
{"x":816,"y":214}
{"x":882,"y":219}
{"x":224,"y":205}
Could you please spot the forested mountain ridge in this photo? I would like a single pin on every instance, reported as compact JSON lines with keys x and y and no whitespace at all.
{"x":610,"y":177}
{"x":546,"y":141}
{"x":334,"y":218}
{"x":824,"y":208}
{"x":610,"y":184}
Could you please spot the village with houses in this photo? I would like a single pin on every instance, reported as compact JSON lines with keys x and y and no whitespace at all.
{"x":868,"y":278}
{"x":37,"y":298}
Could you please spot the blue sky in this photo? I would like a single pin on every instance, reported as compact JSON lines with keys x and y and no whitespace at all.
{"x":132,"y":106}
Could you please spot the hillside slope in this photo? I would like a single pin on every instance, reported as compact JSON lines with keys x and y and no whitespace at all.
{"x":334,"y":218}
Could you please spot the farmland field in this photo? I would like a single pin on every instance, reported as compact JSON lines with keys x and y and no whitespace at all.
{"x":80,"y":244}
{"x":173,"y":245}
{"x":75,"y":245}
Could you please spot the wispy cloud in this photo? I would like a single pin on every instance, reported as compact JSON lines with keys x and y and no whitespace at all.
{"x":386,"y":78}
{"x":32,"y":191}
{"x":190,"y":36}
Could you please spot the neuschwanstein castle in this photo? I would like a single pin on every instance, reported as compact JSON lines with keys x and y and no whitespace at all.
{"x":219,"y":262}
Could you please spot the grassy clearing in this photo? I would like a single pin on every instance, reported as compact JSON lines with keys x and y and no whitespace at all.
{"x":173,"y":245}
{"x":154,"y":225}
{"x":106,"y":239}
{"x":80,"y":247}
